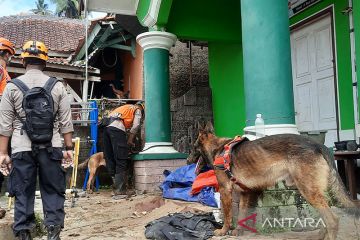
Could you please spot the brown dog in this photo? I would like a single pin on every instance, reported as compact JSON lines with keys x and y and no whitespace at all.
{"x":261,"y":163}
{"x":95,"y":161}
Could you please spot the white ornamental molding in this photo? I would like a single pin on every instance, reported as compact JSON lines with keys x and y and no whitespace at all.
{"x":156,"y":39}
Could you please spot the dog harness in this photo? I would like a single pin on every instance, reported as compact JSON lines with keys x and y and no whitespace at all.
{"x":223,"y":160}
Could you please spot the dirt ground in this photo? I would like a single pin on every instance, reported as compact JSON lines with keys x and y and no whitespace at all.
{"x":97,"y":216}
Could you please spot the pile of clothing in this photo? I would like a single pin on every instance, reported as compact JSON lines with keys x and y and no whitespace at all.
{"x":182,"y":226}
{"x":183,"y":184}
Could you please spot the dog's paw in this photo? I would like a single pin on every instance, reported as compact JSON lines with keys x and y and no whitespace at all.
{"x":220,"y":232}
{"x":322,"y":233}
{"x":237,"y":232}
{"x":234,"y":232}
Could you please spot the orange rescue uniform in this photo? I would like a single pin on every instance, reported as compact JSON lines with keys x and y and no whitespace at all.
{"x":126,"y":113}
{"x":4,"y":77}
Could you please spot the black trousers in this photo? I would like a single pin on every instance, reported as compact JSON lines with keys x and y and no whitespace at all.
{"x":116,"y":150}
{"x":22,"y":185}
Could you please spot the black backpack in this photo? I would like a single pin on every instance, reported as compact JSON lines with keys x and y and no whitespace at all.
{"x":38,"y":105}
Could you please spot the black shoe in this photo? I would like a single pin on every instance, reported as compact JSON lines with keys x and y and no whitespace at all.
{"x":2,"y":213}
{"x":24,"y":235}
{"x":53,"y":232}
{"x":120,"y":182}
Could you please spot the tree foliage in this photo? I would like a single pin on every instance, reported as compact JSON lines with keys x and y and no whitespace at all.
{"x":41,"y":8}
{"x":67,"y":8}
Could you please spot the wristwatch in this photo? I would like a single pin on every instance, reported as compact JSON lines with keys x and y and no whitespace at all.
{"x":68,"y":148}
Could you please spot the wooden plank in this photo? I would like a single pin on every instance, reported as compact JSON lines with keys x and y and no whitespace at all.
{"x":57,"y":74}
{"x":104,"y":36}
{"x":62,"y":67}
{"x":121,"y":47}
{"x":127,"y":7}
{"x":117,"y":40}
{"x":133,"y":47}
{"x":91,"y":38}
{"x":75,"y":95}
{"x":355,"y":154}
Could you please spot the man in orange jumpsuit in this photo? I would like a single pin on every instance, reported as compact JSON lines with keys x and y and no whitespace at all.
{"x":116,"y":144}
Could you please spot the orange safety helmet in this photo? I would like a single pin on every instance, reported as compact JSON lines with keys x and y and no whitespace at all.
{"x":35,"y":49}
{"x":5,"y":44}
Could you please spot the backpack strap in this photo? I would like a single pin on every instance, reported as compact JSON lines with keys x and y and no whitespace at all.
{"x":50,"y":83}
{"x":23,"y":88}
{"x":20,"y":84}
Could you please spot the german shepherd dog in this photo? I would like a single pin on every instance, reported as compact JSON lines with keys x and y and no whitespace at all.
{"x":262,"y":163}
{"x":96,"y":160}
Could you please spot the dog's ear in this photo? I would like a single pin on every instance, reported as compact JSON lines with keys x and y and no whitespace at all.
{"x":200,"y":125}
{"x":209,"y":127}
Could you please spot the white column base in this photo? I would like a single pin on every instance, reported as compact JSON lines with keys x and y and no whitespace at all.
{"x":158,"y":147}
{"x":271,"y":129}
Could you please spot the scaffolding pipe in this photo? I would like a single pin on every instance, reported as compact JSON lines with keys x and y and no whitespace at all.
{"x":86,"y":81}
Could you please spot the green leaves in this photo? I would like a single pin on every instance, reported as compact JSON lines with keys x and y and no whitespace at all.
{"x":67,"y":8}
{"x":41,"y":8}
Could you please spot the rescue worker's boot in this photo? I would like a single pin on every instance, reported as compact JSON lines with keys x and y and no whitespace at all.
{"x":2,"y":213}
{"x":53,"y":232}
{"x":24,"y":235}
{"x":120,"y":186}
{"x":113,"y":187}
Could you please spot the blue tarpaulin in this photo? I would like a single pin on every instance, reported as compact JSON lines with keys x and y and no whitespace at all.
{"x":177,"y":185}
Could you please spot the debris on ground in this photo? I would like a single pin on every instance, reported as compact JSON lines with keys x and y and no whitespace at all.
{"x":148,"y":206}
{"x":115,"y":220}
{"x":182,"y":226}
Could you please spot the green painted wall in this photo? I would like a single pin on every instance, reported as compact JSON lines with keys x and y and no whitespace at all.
{"x":356,"y":12}
{"x":164,"y":12}
{"x":343,"y":57}
{"x":215,"y":20}
{"x":162,"y":18}
{"x":227,"y":84}
{"x":142,"y":9}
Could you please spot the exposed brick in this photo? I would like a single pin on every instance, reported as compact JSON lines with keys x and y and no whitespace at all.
{"x":148,"y":171}
{"x":147,"y":187}
{"x":179,"y":162}
{"x":149,"y":179}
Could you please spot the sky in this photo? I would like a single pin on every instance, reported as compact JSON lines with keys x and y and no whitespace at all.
{"x":13,"y":7}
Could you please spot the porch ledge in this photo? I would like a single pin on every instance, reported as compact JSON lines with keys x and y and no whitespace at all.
{"x":158,"y":156}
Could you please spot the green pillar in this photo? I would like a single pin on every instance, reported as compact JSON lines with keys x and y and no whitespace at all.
{"x":157,"y":98}
{"x":156,"y":46}
{"x":267,"y":65}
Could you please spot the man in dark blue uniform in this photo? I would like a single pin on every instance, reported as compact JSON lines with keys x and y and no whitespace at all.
{"x":29,"y":159}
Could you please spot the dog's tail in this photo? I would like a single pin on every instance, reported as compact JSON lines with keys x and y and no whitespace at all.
{"x":336,"y":187}
{"x":84,"y":164}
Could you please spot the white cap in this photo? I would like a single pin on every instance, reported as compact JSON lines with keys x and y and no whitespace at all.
{"x":258,"y":115}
